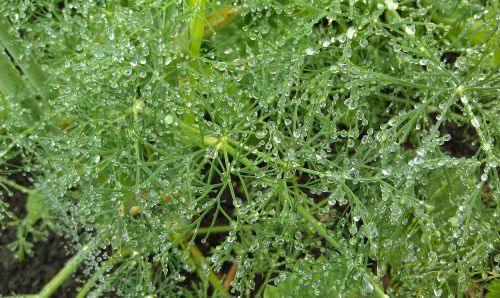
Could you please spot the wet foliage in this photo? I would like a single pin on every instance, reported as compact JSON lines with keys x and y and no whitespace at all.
{"x":324,"y":148}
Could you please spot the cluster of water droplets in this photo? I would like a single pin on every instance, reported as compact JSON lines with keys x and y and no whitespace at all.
{"x":349,"y":116}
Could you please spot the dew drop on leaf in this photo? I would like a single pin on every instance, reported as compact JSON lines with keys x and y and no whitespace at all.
{"x":475,"y":121}
{"x":363,"y":42}
{"x":310,"y":51}
{"x":386,"y":171}
{"x":410,"y":30}
{"x":211,"y":152}
{"x":169,"y":119}
{"x":350,"y":32}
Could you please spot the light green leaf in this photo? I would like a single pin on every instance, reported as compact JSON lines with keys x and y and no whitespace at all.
{"x":271,"y":292}
{"x":36,"y":206}
{"x":494,"y":289}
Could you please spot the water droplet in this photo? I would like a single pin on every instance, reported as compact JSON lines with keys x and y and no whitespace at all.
{"x":441,"y":277}
{"x":298,"y":235}
{"x":353,"y":174}
{"x":484,"y":177}
{"x":133,"y":62}
{"x":410,"y":30}
{"x":261,"y":134}
{"x":387,"y":171}
{"x":363,"y":42}
{"x":432,"y":256}
{"x":125,"y":236}
{"x":475,"y":121}
{"x":438,"y":292}
{"x":169,"y":119}
{"x":422,"y":61}
{"x":97,"y":158}
{"x":496,"y":258}
{"x":310,"y":51}
{"x":211,"y":153}
{"x":391,"y":4}
{"x":350,"y":32}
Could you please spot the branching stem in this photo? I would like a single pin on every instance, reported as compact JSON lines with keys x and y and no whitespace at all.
{"x":196,"y":27}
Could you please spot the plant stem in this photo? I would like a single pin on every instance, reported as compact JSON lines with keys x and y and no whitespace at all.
{"x":230,"y":276}
{"x":319,"y":228}
{"x":214,"y":22}
{"x":32,"y":71}
{"x":323,"y":232}
{"x":196,"y":27}
{"x":218,"y":229}
{"x":15,"y":185}
{"x":65,"y":272}
{"x":200,"y":261}
{"x":210,"y":141}
{"x":219,"y":19}
{"x":214,"y":229}
{"x":88,"y":285}
{"x":50,"y":288}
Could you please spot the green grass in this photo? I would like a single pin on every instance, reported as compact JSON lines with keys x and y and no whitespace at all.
{"x":325,"y":148}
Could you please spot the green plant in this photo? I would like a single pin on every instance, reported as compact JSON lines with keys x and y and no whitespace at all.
{"x":322,"y":148}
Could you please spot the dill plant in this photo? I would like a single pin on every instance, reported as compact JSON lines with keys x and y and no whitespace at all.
{"x":322,"y":148}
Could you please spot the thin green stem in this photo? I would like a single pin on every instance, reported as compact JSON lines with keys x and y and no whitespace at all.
{"x":196,"y":27}
{"x":199,"y":259}
{"x":88,"y":285}
{"x":68,"y":269}
{"x":214,"y":229}
{"x":316,"y":225}
{"x":319,"y":228}
{"x":15,"y":185}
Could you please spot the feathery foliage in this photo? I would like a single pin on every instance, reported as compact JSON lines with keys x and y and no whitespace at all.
{"x":324,"y":148}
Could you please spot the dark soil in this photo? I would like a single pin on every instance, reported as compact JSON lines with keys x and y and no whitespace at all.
{"x":30,"y":276}
{"x":461,"y":142}
{"x":49,"y":256}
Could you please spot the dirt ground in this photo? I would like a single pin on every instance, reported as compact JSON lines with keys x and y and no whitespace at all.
{"x":48,"y":258}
